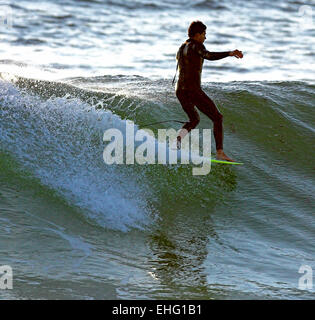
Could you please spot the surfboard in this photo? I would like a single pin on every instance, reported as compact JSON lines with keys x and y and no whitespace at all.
{"x":226,"y":162}
{"x":191,"y":154}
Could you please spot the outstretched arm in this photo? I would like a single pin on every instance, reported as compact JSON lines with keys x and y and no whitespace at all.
{"x":218,"y":55}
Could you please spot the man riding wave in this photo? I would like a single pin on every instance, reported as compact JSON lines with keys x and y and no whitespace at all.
{"x":190,"y":58}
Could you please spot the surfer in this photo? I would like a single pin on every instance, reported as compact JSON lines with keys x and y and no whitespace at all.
{"x":190,"y":57}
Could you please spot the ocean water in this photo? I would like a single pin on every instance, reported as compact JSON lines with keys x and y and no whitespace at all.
{"x":74,"y":227}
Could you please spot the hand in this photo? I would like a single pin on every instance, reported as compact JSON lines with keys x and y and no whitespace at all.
{"x":236,"y":53}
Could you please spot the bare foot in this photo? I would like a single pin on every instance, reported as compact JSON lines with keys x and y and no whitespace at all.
{"x":222,"y":156}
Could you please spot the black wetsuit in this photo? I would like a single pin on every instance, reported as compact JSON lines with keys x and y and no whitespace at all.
{"x":190,"y":58}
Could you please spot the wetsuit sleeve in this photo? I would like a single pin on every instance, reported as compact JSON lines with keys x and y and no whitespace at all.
{"x":202,"y":51}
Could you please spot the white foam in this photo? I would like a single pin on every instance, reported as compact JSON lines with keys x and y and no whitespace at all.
{"x":60,"y":141}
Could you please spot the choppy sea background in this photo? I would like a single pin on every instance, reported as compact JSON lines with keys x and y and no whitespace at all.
{"x":73,"y":227}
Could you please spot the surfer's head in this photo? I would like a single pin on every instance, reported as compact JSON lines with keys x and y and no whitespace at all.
{"x":197,"y":31}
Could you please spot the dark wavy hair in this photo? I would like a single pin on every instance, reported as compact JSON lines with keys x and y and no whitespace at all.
{"x":196,"y":27}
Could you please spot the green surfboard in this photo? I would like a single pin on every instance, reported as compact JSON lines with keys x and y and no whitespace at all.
{"x":225,"y":162}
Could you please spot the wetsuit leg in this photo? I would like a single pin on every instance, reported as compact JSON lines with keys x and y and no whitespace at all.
{"x":208,"y":107}
{"x":186,"y":99}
